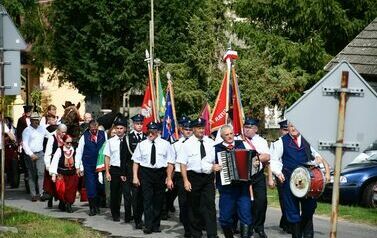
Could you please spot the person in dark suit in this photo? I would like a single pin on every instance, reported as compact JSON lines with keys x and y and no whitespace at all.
{"x":133,"y":138}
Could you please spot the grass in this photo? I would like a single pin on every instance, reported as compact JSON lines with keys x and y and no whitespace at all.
{"x":350,"y":213}
{"x":34,"y":225}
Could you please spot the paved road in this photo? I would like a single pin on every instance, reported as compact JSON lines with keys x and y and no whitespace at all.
{"x":171,"y":228}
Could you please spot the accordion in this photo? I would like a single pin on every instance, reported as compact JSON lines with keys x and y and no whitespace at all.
{"x":238,"y":165}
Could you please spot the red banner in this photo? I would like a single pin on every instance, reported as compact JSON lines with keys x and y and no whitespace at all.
{"x":205,"y":114}
{"x":147,"y":107}
{"x":219,"y":115}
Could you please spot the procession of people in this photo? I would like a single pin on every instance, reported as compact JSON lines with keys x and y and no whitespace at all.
{"x":141,"y":166}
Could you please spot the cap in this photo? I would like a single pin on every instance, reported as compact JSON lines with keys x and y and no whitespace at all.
{"x":35,"y":116}
{"x":152,"y":126}
{"x":187,"y":125}
{"x":200,"y":122}
{"x":183,"y":120}
{"x":283,"y":124}
{"x":27,"y":108}
{"x":137,"y":118}
{"x":120,"y":121}
{"x":251,"y":122}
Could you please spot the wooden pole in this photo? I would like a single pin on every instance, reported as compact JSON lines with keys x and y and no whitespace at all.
{"x":338,"y":153}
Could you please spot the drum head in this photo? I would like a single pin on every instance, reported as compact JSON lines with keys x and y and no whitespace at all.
{"x":300,"y":182}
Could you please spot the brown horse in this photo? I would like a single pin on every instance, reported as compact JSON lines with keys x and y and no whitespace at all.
{"x":71,"y":118}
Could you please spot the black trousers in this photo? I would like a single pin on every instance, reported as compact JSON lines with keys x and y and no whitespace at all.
{"x":201,"y":204}
{"x":182,"y":201}
{"x":259,"y":206}
{"x":153,"y":187}
{"x":134,"y":195}
{"x":117,"y":189}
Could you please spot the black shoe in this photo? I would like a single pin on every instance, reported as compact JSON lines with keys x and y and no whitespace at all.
{"x":157,"y":230}
{"x":92,"y":211}
{"x":116,"y":219}
{"x":61,"y":206}
{"x":139,"y":225}
{"x":228,"y":232}
{"x":127,"y":219}
{"x":49,"y":203}
{"x":260,"y":234}
{"x":147,"y":231}
{"x":45,"y":197}
{"x":69,"y":208}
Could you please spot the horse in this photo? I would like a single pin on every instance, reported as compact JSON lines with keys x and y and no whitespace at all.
{"x":71,"y":118}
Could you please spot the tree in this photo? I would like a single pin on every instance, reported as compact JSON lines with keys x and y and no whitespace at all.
{"x":99,"y":45}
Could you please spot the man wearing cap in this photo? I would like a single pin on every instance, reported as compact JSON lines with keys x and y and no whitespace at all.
{"x":235,"y":197}
{"x":87,"y":151}
{"x":254,"y":141}
{"x":115,"y":153}
{"x":133,"y":139}
{"x":290,"y":152}
{"x":154,"y":157}
{"x":283,"y":130}
{"x":32,"y":143}
{"x":197,"y":159}
{"x":186,"y":132}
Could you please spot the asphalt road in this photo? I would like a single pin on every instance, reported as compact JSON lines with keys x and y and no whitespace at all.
{"x":171,"y":228}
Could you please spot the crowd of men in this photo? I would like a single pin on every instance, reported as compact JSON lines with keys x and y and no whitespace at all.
{"x":148,"y":172}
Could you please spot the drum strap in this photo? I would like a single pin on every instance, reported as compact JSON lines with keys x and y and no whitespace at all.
{"x":308,"y":152}
{"x":250,"y":143}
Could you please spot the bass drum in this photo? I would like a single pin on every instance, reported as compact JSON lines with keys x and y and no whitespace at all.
{"x":307,"y":182}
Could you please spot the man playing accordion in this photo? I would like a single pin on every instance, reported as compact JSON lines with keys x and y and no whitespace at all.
{"x":234,"y":197}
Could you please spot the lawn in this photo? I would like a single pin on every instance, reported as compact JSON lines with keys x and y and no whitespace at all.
{"x":350,"y":213}
{"x":34,"y":225}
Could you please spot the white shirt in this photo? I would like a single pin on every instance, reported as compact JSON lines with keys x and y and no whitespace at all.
{"x":164,"y":153}
{"x":177,"y":147}
{"x":112,"y":149}
{"x":260,"y":145}
{"x":48,"y":153}
{"x":189,"y":155}
{"x":55,"y":160}
{"x":277,"y":150}
{"x":32,"y":139}
{"x":80,"y":151}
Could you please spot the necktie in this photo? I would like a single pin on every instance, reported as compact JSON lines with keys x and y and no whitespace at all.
{"x":202,"y":150}
{"x":296,"y":141}
{"x":121,"y":147}
{"x":153,"y":154}
{"x":138,"y":137}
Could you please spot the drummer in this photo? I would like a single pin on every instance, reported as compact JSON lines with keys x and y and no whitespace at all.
{"x":290,"y":152}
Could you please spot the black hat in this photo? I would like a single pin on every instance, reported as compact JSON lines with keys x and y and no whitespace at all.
{"x":120,"y":121}
{"x":283,"y":124}
{"x":251,"y":122}
{"x":200,"y":122}
{"x":159,"y":124}
{"x":137,"y":118}
{"x":183,"y":120}
{"x":187,"y":125}
{"x":27,"y":108}
{"x":152,"y":126}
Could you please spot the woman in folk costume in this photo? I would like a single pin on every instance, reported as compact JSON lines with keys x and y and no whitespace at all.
{"x":63,"y":172}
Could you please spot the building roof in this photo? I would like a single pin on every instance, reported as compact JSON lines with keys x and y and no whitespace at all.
{"x":361,"y":52}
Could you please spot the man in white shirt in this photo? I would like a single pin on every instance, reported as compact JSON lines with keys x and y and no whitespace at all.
{"x":186,"y":132}
{"x":256,"y":142}
{"x":290,"y":152}
{"x":32,"y":143}
{"x":197,"y":159}
{"x":155,"y":159}
{"x":114,"y":173}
